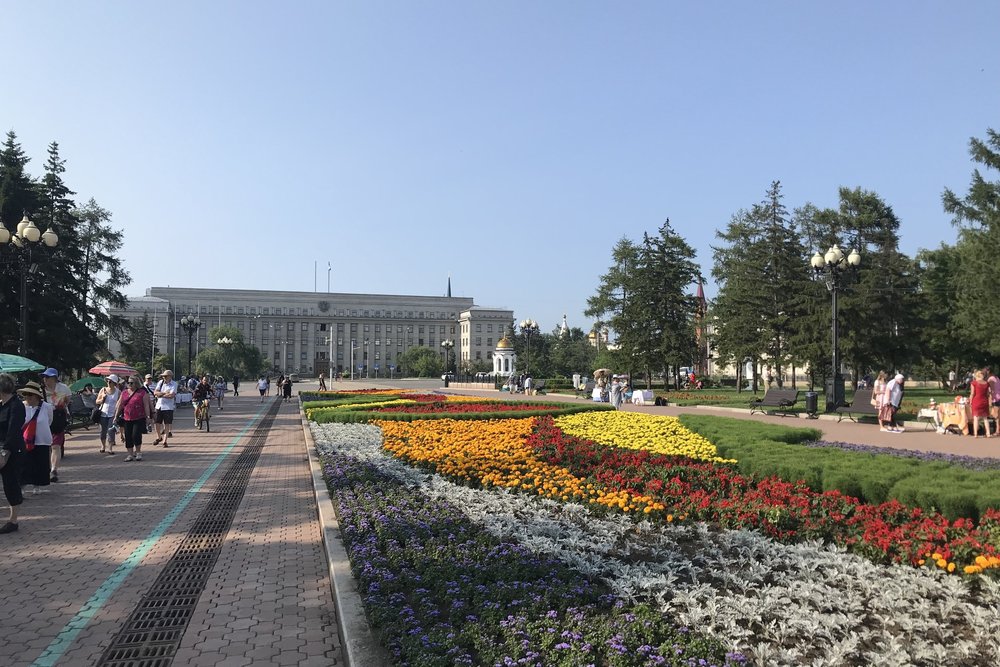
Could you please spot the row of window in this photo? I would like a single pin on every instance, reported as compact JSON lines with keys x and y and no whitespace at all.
{"x":292,"y":311}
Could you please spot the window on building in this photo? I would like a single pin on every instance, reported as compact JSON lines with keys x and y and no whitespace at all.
{"x":479,"y":328}
{"x":229,"y":310}
{"x":264,"y":340}
{"x":489,"y":328}
{"x":366,"y":328}
{"x":489,"y":342}
{"x":421,"y":343}
{"x":239,"y":324}
{"x":322,"y":326}
{"x":291,"y":326}
{"x":305,"y":326}
{"x":479,"y":340}
{"x":239,"y":311}
{"x":378,"y":341}
{"x":340,"y":327}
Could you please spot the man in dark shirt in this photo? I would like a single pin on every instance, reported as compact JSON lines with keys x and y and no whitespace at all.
{"x":202,"y":394}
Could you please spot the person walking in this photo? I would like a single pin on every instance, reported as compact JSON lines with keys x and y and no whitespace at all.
{"x":107,"y":401}
{"x":236,"y":386}
{"x":12,"y":443}
{"x":616,"y":393}
{"x":135,"y":410}
{"x":165,"y":393}
{"x":893,"y":398}
{"x":58,"y":395}
{"x":322,"y":382}
{"x":220,"y":390}
{"x":262,"y":388}
{"x":286,"y":390}
{"x":979,"y":400}
{"x":878,"y":401}
{"x":37,"y":436}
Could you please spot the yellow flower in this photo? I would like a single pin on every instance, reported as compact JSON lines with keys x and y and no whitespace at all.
{"x":635,"y":430}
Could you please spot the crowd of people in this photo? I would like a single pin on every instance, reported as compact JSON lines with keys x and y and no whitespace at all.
{"x":34,"y":419}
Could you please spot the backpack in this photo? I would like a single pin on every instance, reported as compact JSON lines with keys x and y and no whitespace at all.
{"x":59,"y":416}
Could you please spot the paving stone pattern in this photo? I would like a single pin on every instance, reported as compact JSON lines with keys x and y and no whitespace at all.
{"x":269,"y":598}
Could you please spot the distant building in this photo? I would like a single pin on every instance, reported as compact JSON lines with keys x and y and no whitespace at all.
{"x":309,"y":332}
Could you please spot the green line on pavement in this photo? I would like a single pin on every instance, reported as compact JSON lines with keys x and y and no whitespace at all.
{"x":62,"y":642}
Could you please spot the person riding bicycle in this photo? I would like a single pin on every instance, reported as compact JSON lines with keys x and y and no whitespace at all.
{"x":202,"y":397}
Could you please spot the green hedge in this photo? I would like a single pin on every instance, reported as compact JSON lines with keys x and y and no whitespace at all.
{"x":766,"y":449}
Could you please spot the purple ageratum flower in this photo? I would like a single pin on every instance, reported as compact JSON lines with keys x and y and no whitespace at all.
{"x":970,"y":462}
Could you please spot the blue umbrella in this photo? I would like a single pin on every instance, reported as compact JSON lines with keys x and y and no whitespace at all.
{"x":12,"y":363}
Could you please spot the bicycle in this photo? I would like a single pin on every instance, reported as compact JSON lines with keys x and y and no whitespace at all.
{"x":202,"y":414}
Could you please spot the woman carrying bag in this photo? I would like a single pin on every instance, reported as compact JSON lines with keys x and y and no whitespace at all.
{"x":37,"y":436}
{"x":135,"y":413}
{"x":107,"y":401}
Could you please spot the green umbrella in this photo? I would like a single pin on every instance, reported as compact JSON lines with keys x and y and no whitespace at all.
{"x":11,"y":363}
{"x":95,"y":382}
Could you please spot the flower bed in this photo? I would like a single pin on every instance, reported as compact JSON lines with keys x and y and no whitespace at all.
{"x":442,"y":591}
{"x":635,"y":430}
{"x":779,"y":604}
{"x":788,"y":511}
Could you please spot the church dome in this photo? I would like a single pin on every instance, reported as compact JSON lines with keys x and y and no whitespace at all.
{"x":504,"y":344}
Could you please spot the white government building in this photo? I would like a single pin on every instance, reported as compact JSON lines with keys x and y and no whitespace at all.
{"x":311,"y":332}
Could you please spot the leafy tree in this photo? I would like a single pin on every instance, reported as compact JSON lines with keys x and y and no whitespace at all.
{"x":610,"y":302}
{"x":63,"y":330}
{"x":137,"y":344}
{"x":571,"y":354}
{"x":236,"y":358}
{"x":977,"y":216}
{"x":943,"y":346}
{"x":761,"y":271}
{"x":422,"y":362}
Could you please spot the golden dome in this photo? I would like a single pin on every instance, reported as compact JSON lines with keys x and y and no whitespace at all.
{"x":504,"y":344}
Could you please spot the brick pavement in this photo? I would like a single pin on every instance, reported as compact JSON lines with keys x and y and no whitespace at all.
{"x":269,"y":598}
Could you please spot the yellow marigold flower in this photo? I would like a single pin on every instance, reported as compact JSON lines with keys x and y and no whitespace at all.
{"x":635,"y":430}
{"x":951,"y":567}
{"x":942,"y":563}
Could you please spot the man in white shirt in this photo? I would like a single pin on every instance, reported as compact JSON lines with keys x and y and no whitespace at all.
{"x":58,"y":394}
{"x":165,"y":392}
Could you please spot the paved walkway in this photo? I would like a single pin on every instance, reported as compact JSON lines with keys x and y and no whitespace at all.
{"x":90,"y":547}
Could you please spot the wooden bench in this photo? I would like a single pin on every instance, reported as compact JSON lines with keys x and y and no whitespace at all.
{"x":782,"y":399}
{"x":861,"y":406}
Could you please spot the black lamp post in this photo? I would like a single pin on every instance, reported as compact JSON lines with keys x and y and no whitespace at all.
{"x":447,"y":345}
{"x":833,"y":265}
{"x":190,"y":324}
{"x":528,"y":327}
{"x":24,"y":240}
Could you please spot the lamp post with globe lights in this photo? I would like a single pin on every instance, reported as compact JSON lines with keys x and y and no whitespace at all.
{"x":447,"y":345}
{"x":24,"y":240}
{"x":528,"y":328}
{"x":833,"y":265}
{"x":226,"y":343}
{"x":190,"y":324}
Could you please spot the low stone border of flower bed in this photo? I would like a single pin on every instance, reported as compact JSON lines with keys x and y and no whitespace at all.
{"x":361,"y":647}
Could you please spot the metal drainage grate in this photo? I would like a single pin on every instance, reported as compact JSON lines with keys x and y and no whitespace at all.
{"x":153,"y":632}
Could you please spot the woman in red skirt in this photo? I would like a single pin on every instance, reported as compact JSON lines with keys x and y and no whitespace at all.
{"x":979,"y":399}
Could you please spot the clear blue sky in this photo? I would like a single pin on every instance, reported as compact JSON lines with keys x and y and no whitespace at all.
{"x":508,"y":144}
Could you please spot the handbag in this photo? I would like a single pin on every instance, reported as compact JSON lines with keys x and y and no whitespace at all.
{"x":95,"y":415}
{"x":30,"y":430}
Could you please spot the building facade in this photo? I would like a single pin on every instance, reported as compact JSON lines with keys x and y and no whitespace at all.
{"x":310,"y":333}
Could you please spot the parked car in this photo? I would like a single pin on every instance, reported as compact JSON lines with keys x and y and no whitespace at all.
{"x":293,"y":377}
{"x":449,"y":376}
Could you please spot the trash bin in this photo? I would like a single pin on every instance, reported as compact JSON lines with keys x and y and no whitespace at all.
{"x":812,"y":403}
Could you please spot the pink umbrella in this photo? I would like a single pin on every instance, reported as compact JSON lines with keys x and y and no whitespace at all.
{"x":116,"y":367}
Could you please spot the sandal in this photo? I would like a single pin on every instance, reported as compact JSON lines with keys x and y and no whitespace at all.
{"x":158,"y":441}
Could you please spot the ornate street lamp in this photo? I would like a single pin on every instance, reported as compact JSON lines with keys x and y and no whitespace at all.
{"x":226,"y":343}
{"x":447,"y":345}
{"x":528,"y":327}
{"x":23,"y":241}
{"x":190,"y":324}
{"x":833,"y":265}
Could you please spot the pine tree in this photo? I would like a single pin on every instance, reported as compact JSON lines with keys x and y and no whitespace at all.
{"x":977,"y":216}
